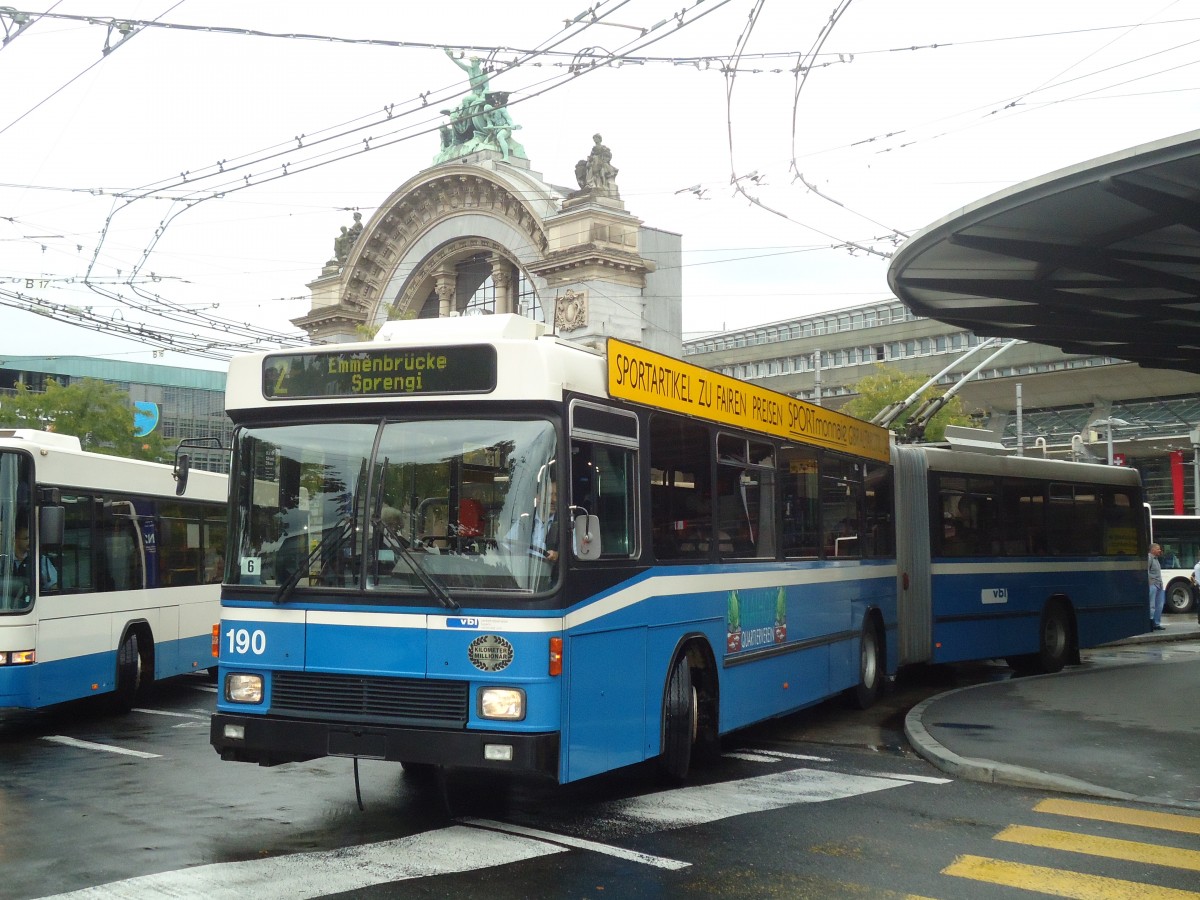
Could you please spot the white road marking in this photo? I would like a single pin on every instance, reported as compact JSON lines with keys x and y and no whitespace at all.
{"x":750,"y":757}
{"x":924,"y":779}
{"x":781,"y":755}
{"x":207,"y":688}
{"x":482,"y":843}
{"x":660,"y":862}
{"x":684,"y":807}
{"x":296,"y":876}
{"x":88,"y":745}
{"x":164,"y":712}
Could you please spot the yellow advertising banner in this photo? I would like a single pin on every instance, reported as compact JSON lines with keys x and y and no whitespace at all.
{"x":654,"y":379}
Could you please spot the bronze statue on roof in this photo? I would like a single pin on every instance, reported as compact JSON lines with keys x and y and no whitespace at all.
{"x":481,"y":121}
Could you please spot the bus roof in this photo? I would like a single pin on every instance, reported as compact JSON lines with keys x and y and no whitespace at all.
{"x":60,"y":460}
{"x":966,"y":462}
{"x":510,"y":358}
{"x":502,"y":357}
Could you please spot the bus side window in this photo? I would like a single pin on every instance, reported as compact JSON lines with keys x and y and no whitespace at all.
{"x":75,"y":556}
{"x":841,"y":506}
{"x":681,"y":487}
{"x":122,"y":559}
{"x":881,"y":526}
{"x":604,"y":484}
{"x":801,"y":504}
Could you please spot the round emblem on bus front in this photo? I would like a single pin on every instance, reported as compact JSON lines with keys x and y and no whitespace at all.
{"x":490,"y":653}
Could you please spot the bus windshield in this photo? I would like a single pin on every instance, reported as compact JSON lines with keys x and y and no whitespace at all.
{"x":467,"y":504}
{"x":16,"y":589}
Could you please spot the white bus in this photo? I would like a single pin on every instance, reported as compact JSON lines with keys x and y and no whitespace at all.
{"x":1180,"y":540}
{"x":108,"y":580}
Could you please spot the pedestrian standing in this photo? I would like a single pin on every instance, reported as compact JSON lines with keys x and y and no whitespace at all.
{"x":1196,"y":587}
{"x":1158,"y":596}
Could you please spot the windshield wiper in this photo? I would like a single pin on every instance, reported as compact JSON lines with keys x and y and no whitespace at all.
{"x":398,"y":543}
{"x":335,"y":535}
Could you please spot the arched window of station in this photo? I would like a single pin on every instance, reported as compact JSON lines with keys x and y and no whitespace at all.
{"x":477,"y":284}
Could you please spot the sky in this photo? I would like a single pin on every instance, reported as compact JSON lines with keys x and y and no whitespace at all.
{"x":203,"y":165}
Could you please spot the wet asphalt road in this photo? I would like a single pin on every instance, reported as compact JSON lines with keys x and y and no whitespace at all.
{"x":828,"y":802}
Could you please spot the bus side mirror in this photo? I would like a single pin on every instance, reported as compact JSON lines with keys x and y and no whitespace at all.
{"x":585,"y":531}
{"x":183,"y":465}
{"x":51,"y":521}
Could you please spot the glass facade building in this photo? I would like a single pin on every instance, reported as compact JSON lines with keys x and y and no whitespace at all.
{"x":181,"y":403}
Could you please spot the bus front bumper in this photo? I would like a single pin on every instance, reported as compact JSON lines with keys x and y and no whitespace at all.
{"x":270,"y":741}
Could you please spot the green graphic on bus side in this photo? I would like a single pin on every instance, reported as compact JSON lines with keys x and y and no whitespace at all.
{"x":755,"y":619}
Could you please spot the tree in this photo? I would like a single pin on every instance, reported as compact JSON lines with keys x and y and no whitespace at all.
{"x":98,"y":413}
{"x":368,"y":332}
{"x":889,"y":386}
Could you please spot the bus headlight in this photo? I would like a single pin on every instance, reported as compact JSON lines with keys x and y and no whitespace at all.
{"x":502,"y":703}
{"x":241,"y":688}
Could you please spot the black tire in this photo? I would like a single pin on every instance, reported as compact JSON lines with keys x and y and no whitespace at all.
{"x":679,"y":722}
{"x":1054,"y":639}
{"x":870,"y":668}
{"x":130,"y":673}
{"x":1180,"y":597}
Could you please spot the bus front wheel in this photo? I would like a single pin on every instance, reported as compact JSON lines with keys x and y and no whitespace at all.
{"x":1180,"y":598}
{"x":130,"y":673}
{"x":679,"y":722}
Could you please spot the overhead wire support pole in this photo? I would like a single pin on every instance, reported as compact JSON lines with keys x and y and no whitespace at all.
{"x":892,"y":411}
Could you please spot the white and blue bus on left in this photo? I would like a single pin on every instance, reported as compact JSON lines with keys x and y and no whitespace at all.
{"x":108,"y":578}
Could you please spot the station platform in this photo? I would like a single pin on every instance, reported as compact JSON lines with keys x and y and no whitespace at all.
{"x":1124,"y":725}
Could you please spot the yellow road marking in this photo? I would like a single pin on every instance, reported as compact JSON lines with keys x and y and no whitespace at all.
{"x":1113,"y":848}
{"x":1119,"y":814}
{"x":1059,"y":883}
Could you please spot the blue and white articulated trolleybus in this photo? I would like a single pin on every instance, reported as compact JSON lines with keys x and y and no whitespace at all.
{"x":474,"y":545}
{"x":108,"y":579}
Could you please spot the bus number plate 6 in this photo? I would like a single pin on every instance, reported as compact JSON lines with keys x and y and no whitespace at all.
{"x":243,"y":641}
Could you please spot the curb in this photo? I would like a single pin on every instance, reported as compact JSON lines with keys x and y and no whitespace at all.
{"x":992,"y":772}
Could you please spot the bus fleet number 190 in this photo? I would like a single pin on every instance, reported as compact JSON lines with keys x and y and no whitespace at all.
{"x":243,"y":640}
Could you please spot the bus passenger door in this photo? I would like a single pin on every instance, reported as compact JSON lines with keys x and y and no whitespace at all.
{"x":606,"y":724}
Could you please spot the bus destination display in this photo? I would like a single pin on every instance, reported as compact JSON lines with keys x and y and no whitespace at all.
{"x":380,"y":372}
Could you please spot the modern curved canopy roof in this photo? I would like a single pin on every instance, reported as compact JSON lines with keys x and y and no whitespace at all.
{"x":1101,"y":259}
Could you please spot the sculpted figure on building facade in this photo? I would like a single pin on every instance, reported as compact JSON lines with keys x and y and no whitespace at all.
{"x":597,"y":174}
{"x":481,"y":120}
{"x":344,"y":241}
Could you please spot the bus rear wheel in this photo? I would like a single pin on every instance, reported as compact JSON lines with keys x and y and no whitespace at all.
{"x":679,"y":722}
{"x":1054,"y":643}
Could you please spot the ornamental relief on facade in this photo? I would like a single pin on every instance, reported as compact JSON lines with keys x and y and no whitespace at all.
{"x":570,"y":311}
